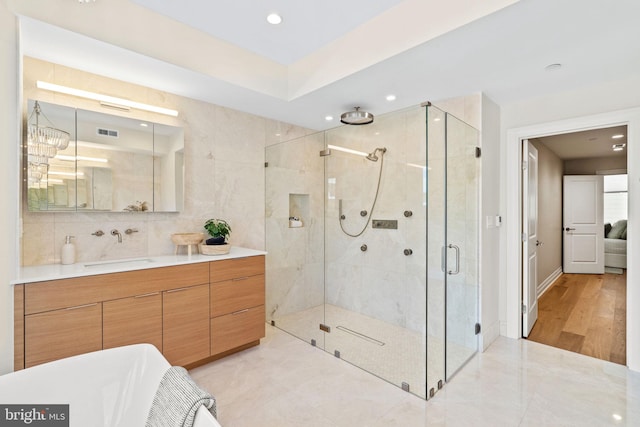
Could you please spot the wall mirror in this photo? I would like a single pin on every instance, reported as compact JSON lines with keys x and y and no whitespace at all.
{"x":110,"y":163}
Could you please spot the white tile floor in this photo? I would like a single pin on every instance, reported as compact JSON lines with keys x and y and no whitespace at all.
{"x":286,"y":382}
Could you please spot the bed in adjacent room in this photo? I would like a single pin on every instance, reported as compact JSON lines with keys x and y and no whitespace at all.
{"x":615,"y":245}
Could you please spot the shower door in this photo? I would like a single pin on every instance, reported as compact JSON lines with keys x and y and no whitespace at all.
{"x":462,"y":243}
{"x":452,"y":239}
{"x":375,"y":247}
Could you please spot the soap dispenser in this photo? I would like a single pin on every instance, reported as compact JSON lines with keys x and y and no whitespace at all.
{"x":68,"y":255}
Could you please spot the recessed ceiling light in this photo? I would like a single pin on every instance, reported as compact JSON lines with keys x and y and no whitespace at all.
{"x":618,"y":136}
{"x":391,"y":97}
{"x":553,"y":67}
{"x":144,"y":125}
{"x":328,"y":118}
{"x":618,"y":147}
{"x":274,"y":18}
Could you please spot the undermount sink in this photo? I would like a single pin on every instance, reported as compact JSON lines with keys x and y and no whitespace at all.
{"x":118,"y":262}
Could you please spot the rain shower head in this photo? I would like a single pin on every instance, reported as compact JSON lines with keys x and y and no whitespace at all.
{"x":372,"y":155}
{"x":356,"y":117}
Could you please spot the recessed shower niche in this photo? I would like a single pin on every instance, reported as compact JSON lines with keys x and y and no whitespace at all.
{"x":298,"y":210}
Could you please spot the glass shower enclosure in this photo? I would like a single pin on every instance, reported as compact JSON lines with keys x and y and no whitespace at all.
{"x":372,"y":241}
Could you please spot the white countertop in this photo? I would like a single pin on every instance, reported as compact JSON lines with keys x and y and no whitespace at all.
{"x":41,"y":273}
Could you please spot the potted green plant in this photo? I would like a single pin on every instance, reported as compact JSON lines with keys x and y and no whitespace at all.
{"x":219,"y":230}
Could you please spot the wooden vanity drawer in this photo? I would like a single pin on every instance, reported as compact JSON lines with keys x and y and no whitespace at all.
{"x":56,"y":294}
{"x":236,"y":294}
{"x":132,"y":320}
{"x":235,"y":268}
{"x":236,"y":329}
{"x":62,"y":333}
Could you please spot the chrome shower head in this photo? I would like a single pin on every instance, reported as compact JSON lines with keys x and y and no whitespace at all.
{"x":373,"y":157}
{"x":356,"y":117}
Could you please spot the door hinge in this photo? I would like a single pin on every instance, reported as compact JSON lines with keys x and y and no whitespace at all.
{"x":266,"y":164}
{"x":524,"y":309}
{"x":524,"y":165}
{"x":478,"y":152}
{"x":524,"y":237}
{"x":477,"y":328}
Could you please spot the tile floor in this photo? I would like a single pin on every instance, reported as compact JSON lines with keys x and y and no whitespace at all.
{"x":286,"y":382}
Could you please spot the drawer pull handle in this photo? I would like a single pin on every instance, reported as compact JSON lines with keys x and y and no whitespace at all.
{"x":81,"y":306}
{"x":237,"y":279}
{"x":239,"y":311}
{"x":176,"y":290}
{"x":147,"y":295}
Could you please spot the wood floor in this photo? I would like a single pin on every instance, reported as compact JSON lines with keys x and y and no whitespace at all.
{"x":585,"y":313}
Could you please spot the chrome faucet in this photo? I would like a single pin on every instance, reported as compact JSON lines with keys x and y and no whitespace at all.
{"x":115,"y":232}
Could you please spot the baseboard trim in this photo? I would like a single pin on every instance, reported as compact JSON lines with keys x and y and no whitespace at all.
{"x":488,"y":335}
{"x":546,"y":284}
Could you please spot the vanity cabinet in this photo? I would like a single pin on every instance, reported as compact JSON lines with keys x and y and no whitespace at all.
{"x":192,"y":313}
{"x":237,"y":303}
{"x":186,"y":324}
{"x":132,"y":320}
{"x":62,"y":333}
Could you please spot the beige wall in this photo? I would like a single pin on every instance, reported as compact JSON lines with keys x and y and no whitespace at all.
{"x":224,"y":161}
{"x":549,"y":212}
{"x":591,"y":166}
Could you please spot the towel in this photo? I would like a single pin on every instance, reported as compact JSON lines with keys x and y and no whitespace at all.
{"x":177,"y":400}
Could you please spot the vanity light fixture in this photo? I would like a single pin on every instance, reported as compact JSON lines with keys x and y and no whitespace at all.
{"x":66,"y":173}
{"x":618,"y":136}
{"x":104,"y":98}
{"x":89,"y":159}
{"x":618,"y":147}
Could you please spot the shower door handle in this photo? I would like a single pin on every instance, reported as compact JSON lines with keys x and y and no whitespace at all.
{"x":457,"y":249}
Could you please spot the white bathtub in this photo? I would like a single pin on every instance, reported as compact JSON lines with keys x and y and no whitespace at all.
{"x":112,"y":387}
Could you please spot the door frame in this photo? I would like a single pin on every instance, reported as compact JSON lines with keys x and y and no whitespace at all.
{"x":511,"y":244}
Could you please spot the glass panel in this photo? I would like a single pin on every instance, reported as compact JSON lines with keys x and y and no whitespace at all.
{"x":112,"y":163}
{"x":168,"y":168}
{"x":436,"y":174}
{"x":295,"y":237}
{"x":462,"y":243}
{"x":375,"y":293}
{"x":51,"y":171}
{"x":114,"y":153}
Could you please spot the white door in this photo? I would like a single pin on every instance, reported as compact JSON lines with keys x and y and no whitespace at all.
{"x":530,"y":242}
{"x":583,"y":224}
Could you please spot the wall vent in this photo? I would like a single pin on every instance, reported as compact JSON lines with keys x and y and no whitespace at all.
{"x":107,"y":132}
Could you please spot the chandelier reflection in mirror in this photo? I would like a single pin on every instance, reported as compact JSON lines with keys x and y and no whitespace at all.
{"x":43,"y":142}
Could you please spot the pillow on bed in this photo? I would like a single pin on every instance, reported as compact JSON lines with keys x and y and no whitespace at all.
{"x":617,"y":229}
{"x":624,"y":234}
{"x":607,"y":229}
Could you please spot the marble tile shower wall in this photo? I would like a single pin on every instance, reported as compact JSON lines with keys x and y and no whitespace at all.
{"x":380,"y":282}
{"x":295,"y":259}
{"x":224,"y":163}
